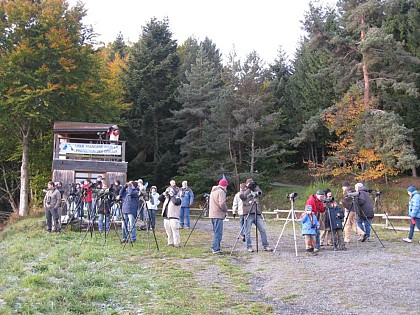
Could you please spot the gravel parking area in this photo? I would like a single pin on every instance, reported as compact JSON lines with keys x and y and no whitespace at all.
{"x":365,"y":279}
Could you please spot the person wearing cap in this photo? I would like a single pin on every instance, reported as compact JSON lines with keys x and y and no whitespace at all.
{"x":364,"y":210}
{"x":152,"y":205}
{"x":252,"y":212}
{"x":350,"y":215}
{"x":315,"y":200}
{"x":171,"y":199}
{"x":217,"y":213}
{"x":187,"y":198}
{"x":413,"y":212}
{"x":130,"y":196}
{"x":310,"y":226}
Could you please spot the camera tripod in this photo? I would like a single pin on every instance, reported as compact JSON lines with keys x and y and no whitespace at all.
{"x":75,"y":203}
{"x":148,"y":225}
{"x":354,"y":204}
{"x":334,"y":241}
{"x":290,"y":217}
{"x":203,"y":212}
{"x":244,"y":227}
{"x":378,"y":206}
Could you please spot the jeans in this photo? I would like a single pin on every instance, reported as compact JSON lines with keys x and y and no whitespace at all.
{"x":242,"y":224}
{"x":101,"y":222}
{"x":249,"y":220}
{"x":185,"y":212}
{"x":128,"y":226}
{"x":151,"y":223}
{"x":412,"y":226}
{"x":364,"y":225}
{"x":217,"y":234}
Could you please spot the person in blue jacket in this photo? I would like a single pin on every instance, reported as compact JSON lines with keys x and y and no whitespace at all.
{"x":413,"y":212}
{"x":130,"y":196}
{"x":310,"y":225}
{"x":187,"y":198}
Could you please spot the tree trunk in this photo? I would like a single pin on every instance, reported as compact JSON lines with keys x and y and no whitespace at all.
{"x":366,"y":96}
{"x":252,"y":153}
{"x":24,"y":174}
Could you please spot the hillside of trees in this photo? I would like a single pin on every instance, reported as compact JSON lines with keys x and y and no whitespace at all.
{"x":346,"y":105}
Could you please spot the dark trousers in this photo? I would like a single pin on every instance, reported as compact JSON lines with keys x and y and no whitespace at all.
{"x":412,"y":226}
{"x":49,"y":214}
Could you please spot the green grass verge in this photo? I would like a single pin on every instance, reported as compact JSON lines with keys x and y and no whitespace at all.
{"x":47,"y":273}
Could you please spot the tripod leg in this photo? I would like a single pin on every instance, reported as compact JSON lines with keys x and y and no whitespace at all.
{"x":203,"y":211}
{"x":284,"y":226}
{"x":240,"y":233}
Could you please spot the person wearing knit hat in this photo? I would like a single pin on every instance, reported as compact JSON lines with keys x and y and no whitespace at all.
{"x":413,"y":212}
{"x":310,"y":225}
{"x":217,"y":213}
{"x":253,"y":214}
{"x":223,"y":183}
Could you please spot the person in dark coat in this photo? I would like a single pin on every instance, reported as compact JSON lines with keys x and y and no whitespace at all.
{"x":334,"y":216}
{"x":364,"y":210}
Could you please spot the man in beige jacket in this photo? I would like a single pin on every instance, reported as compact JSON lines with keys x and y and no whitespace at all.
{"x":217,"y":212}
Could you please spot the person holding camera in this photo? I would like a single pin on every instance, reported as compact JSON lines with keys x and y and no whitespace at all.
{"x":364,"y":210}
{"x":130,"y":196}
{"x":52,"y":201}
{"x":152,"y":205}
{"x":238,"y":209}
{"x":87,"y":198}
{"x":187,"y":198}
{"x":413,"y":212}
{"x":315,"y":201}
{"x":171,"y":208}
{"x":252,"y":212}
{"x":350,"y":215}
{"x":310,"y":227}
{"x":217,"y":213}
{"x":325,"y":236}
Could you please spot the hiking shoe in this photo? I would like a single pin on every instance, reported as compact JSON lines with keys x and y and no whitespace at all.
{"x":123,"y":241}
{"x":250,"y":250}
{"x":344,"y":248}
{"x":217,"y":252}
{"x":407,"y":240}
{"x":365,"y":237}
{"x":268,"y":249}
{"x":316,"y":250}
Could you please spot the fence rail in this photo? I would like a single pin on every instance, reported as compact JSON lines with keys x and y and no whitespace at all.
{"x":281,"y":215}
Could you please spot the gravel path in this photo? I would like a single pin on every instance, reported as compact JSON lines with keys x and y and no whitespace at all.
{"x":365,"y":279}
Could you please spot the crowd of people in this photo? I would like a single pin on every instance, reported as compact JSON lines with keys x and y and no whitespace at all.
{"x":325,"y":221}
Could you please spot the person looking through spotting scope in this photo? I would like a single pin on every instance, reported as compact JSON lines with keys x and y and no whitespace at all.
{"x":413,"y":212}
{"x":350,"y":215}
{"x":217,"y":213}
{"x":252,"y":212}
{"x":364,"y":211}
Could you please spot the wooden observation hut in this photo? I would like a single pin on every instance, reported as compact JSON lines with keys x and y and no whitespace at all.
{"x":85,"y":151}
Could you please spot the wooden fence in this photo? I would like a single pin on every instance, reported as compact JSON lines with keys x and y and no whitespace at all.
{"x":380,"y":219}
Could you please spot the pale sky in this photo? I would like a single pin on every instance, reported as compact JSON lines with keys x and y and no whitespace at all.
{"x":246,"y":25}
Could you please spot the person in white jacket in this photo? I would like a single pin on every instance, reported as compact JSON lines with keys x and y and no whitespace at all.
{"x":237,"y":209}
{"x":152,"y":206}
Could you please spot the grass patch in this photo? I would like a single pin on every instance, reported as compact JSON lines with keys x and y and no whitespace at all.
{"x":47,"y":273}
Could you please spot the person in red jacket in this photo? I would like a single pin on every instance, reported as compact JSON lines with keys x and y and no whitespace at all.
{"x":315,"y":200}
